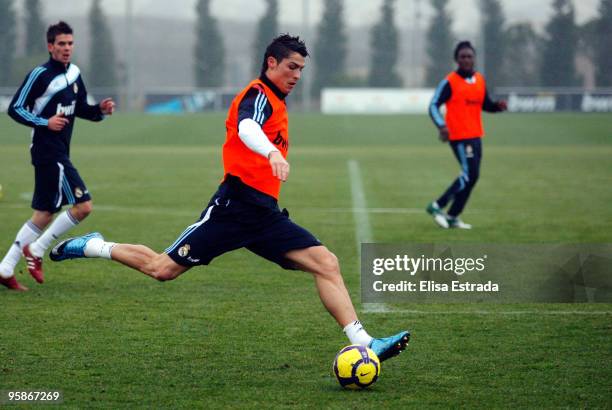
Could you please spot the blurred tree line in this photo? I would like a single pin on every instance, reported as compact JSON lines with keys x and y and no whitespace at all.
{"x":516,"y":55}
{"x":13,"y":68}
{"x":102,"y":62}
{"x":509,"y":54}
{"x":209,"y":52}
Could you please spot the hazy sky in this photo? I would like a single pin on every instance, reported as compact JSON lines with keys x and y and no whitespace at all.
{"x":357,"y":12}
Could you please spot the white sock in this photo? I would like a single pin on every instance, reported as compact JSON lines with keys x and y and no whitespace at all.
{"x":62,"y":224}
{"x":27,"y":234}
{"x":357,"y":334}
{"x":97,"y":248}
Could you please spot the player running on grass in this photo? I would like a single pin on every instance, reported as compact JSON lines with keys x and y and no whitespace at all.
{"x":244,"y":211}
{"x":49,"y":100}
{"x":465,"y":94}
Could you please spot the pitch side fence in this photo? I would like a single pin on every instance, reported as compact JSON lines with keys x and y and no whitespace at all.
{"x":353,"y":100}
{"x":376,"y":101}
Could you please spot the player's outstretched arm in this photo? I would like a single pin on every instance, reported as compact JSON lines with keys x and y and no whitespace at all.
{"x":280,"y":166}
{"x":95,"y":112}
{"x":489,"y":105}
{"x":443,"y":133}
{"x":107,"y":106}
{"x":32,"y":88}
{"x":251,"y":133}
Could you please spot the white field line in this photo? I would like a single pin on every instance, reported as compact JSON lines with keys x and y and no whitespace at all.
{"x":27,"y":197}
{"x":363,"y":229}
{"x":175,"y":212}
{"x":388,"y":310}
{"x":121,"y":209}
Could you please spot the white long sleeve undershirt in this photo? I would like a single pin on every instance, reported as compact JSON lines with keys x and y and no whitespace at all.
{"x":252,"y":135}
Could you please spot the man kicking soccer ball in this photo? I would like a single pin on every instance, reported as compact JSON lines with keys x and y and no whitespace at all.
{"x":244,"y":211}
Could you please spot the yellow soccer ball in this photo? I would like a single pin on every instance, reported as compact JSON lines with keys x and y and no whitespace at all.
{"x":356,"y":367}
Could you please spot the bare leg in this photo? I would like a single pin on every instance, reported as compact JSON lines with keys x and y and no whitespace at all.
{"x":81,"y":210}
{"x":41,"y":219}
{"x":147,"y":261}
{"x":323,"y":264}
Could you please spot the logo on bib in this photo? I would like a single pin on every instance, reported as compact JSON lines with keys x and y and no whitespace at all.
{"x":281,"y":141}
{"x":469,"y":151}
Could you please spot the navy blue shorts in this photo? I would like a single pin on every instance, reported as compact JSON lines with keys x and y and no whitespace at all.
{"x":56,"y":185}
{"x":229,"y":224}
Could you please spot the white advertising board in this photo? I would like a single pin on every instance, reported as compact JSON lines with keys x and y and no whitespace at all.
{"x":375,"y":100}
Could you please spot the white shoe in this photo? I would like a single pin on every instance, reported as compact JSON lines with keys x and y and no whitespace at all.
{"x":441,"y":220}
{"x":438,"y":214}
{"x":458,"y":223}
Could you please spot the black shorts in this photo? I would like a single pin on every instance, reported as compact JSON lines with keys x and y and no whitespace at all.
{"x":56,"y":185}
{"x":229,"y":224}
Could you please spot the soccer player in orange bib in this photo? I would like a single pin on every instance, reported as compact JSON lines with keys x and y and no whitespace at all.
{"x":244,"y":212}
{"x":465,"y":94}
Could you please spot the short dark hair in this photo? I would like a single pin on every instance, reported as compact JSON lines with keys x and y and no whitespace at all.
{"x":56,"y":29}
{"x":281,"y":47}
{"x":461,"y":46}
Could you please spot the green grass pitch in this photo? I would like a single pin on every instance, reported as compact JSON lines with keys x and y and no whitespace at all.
{"x":243,"y":333}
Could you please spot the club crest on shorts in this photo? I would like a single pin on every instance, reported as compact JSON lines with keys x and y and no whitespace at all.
{"x":184,"y":250}
{"x":75,"y":87}
{"x":78,"y":192}
{"x":469,"y":151}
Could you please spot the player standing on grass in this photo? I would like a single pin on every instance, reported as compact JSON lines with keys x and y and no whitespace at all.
{"x":48,"y":101}
{"x":465,"y":94}
{"x":244,"y":212}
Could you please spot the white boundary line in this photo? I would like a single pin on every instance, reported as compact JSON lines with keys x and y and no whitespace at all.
{"x":388,"y":310}
{"x":363,"y":229}
{"x":27,"y":196}
{"x":166,"y":211}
